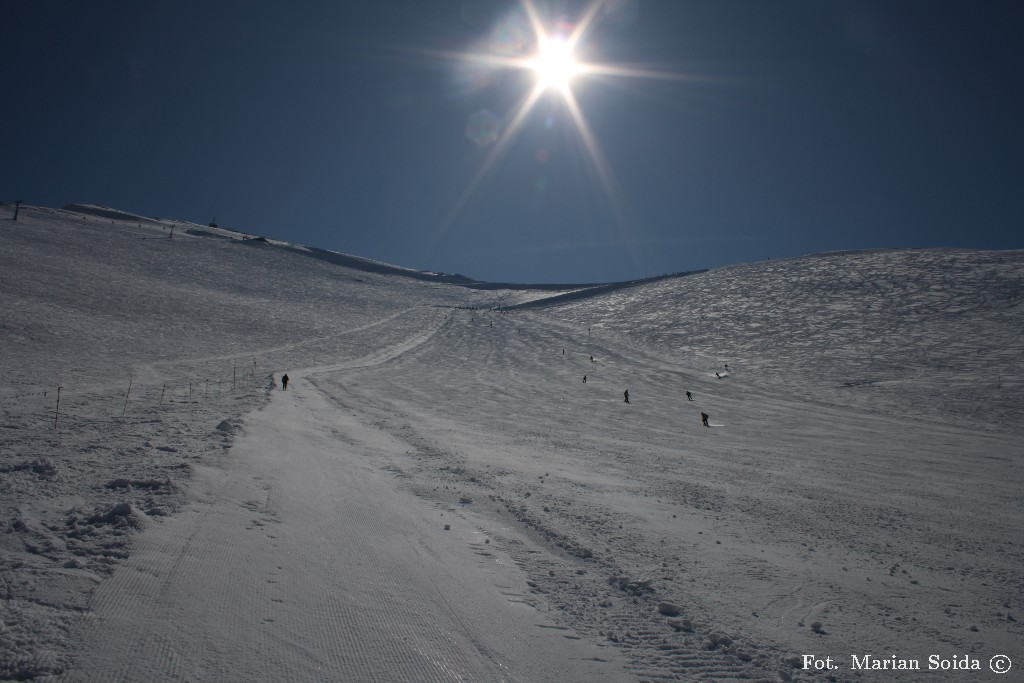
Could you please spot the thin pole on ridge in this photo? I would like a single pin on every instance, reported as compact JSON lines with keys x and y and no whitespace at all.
{"x":127,"y":394}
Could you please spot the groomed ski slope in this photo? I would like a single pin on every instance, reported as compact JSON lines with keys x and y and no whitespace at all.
{"x":301,"y":560}
{"x":245,"y":533}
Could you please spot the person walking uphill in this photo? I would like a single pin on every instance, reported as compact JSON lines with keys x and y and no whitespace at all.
{"x":284,"y":383}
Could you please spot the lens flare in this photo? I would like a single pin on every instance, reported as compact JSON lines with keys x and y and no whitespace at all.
{"x":482,"y":128}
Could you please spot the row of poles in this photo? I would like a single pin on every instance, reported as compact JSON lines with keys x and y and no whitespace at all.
{"x":163,"y":391}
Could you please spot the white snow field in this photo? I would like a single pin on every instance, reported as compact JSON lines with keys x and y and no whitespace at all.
{"x":438,"y":495}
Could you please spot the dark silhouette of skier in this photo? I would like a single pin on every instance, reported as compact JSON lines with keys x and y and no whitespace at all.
{"x":704,"y":419}
{"x":626,"y":395}
{"x":584,"y":379}
{"x":591,"y":359}
{"x":689,"y":396}
{"x":284,"y":383}
{"x":718,"y":376}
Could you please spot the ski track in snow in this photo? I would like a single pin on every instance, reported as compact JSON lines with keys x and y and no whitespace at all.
{"x":261,"y":563}
{"x":353,"y":608}
{"x":863,"y":475}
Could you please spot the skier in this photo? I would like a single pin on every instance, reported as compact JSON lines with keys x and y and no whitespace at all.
{"x":626,"y":394}
{"x":704,"y":419}
{"x":718,"y":376}
{"x":284,"y":383}
{"x":689,"y":396}
{"x":591,"y":359}
{"x":584,"y":379}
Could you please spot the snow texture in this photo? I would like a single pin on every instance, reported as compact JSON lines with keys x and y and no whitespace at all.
{"x":439,"y":497}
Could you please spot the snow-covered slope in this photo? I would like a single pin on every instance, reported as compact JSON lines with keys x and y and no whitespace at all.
{"x":439,"y":495}
{"x":935,"y":331}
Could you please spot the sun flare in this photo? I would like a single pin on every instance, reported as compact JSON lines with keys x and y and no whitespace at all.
{"x":554,"y":64}
{"x":550,"y":50}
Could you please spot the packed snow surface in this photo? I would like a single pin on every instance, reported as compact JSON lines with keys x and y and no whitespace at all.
{"x":439,"y":496}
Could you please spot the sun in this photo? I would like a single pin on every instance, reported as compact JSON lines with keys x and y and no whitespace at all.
{"x":556,"y":67}
{"x":554,"y":64}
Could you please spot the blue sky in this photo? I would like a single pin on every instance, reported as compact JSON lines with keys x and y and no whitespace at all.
{"x":773,"y":128}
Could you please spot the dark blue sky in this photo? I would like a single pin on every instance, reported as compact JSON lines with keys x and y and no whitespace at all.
{"x":811,"y":126}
